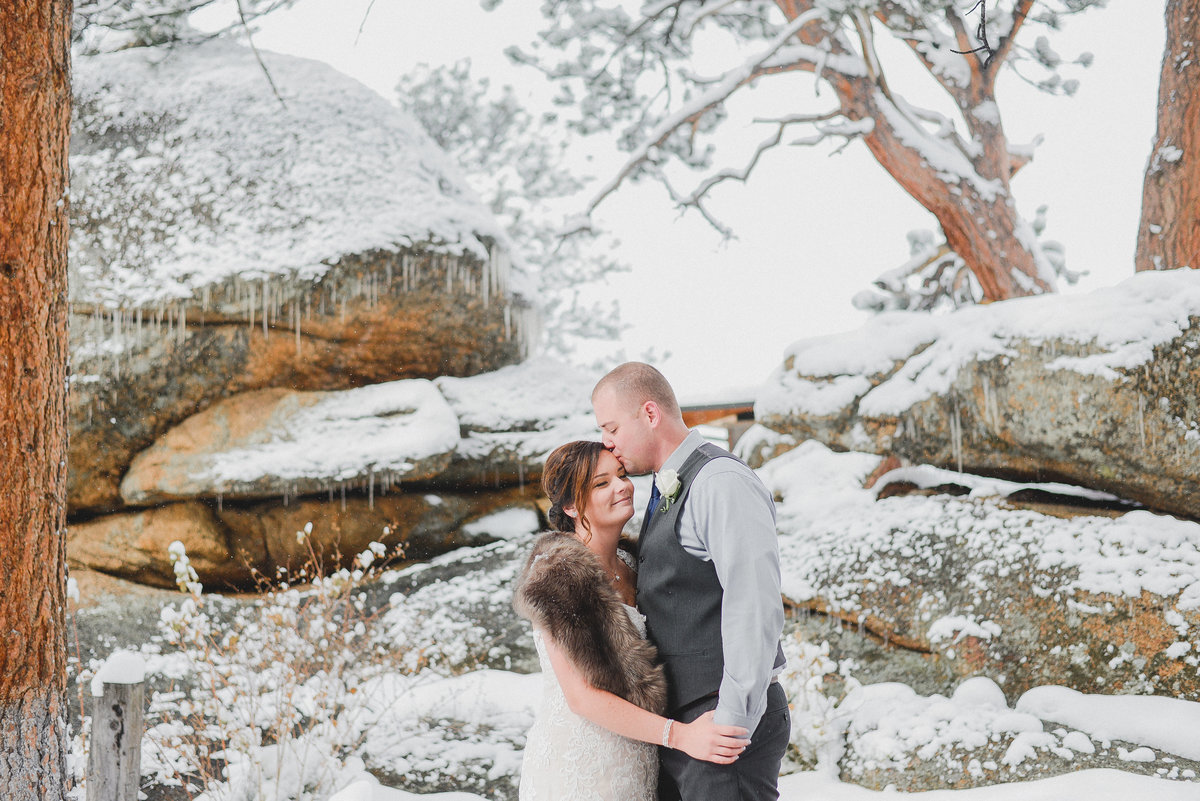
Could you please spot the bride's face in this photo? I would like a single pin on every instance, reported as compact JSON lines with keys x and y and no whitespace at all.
{"x":610,"y":497}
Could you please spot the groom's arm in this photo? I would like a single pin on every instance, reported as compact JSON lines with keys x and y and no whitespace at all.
{"x":733,"y":516}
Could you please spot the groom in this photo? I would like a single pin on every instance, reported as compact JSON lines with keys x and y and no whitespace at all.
{"x":708,"y":583}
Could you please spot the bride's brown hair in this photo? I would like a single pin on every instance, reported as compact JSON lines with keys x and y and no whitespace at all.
{"x":566,"y":481}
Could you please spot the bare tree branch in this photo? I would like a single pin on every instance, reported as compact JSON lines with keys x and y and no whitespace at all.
{"x":693,"y":112}
{"x":258,"y":55}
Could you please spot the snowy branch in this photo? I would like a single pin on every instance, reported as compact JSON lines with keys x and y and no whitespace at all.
{"x":705,"y":12}
{"x":692,"y":112}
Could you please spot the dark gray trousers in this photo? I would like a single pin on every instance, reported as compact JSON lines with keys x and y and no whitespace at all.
{"x":753,"y":777}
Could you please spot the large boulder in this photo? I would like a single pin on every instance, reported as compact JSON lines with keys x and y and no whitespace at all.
{"x":974,"y":585}
{"x":277,"y":443}
{"x":404,"y":462}
{"x":134,"y":545}
{"x":1097,"y":390}
{"x":223,"y":242}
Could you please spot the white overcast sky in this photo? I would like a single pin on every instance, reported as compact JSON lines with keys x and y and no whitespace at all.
{"x":813,"y":229}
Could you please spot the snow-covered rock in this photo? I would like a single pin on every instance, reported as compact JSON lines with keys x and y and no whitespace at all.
{"x":1096,"y":389}
{"x":225,"y":240}
{"x":896,"y":737}
{"x":135,"y":545}
{"x":512,"y":418}
{"x":190,"y":171}
{"x":277,"y":442}
{"x":264,"y":464}
{"x":965,"y":586}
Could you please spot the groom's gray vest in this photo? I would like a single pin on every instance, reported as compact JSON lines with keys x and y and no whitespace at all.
{"x":680,"y":596}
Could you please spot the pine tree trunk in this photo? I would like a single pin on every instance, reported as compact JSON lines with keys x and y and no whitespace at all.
{"x":1169,"y":231}
{"x":34,"y":119}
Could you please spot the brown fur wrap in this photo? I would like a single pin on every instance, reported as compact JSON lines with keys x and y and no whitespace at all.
{"x":565,"y":592}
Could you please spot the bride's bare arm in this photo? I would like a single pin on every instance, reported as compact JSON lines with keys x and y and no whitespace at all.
{"x":701,"y":739}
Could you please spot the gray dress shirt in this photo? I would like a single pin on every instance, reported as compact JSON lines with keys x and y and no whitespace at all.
{"x":729,"y":519}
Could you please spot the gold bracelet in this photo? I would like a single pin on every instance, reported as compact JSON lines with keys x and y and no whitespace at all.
{"x":666,"y":741}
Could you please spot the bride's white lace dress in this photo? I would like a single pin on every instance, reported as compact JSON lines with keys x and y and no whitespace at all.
{"x":570,"y":758}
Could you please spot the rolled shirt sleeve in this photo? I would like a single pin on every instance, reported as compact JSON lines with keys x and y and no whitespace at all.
{"x":729,"y":518}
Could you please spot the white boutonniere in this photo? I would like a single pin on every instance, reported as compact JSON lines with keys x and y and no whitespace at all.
{"x":668,"y":485}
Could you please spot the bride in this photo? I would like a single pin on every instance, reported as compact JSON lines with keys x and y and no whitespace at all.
{"x":595,"y":734}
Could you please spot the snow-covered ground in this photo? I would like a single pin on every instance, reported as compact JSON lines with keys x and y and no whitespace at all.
{"x":429,"y":684}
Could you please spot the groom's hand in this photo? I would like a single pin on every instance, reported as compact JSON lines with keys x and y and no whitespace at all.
{"x":705,"y":740}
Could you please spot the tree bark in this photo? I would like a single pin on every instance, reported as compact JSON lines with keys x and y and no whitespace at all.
{"x":35,"y":104}
{"x":1169,"y":231}
{"x":976,"y":213}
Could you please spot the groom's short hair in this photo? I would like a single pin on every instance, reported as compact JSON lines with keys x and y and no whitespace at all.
{"x":638,"y":382}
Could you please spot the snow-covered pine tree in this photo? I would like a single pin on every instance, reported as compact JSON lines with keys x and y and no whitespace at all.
{"x":647,"y":71}
{"x":517,"y":163}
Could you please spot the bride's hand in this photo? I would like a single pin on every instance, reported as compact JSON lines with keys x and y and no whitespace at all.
{"x":703,"y":739}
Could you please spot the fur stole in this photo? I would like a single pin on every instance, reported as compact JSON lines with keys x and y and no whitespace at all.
{"x":565,"y":592}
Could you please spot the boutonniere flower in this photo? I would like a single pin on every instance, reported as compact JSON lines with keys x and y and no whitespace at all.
{"x":668,"y":485}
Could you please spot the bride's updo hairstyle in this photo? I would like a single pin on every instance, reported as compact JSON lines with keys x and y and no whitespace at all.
{"x":566,"y":481}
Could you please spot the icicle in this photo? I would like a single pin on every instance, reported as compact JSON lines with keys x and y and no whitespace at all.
{"x":250,"y":305}
{"x":182,"y":324}
{"x":220,"y":502}
{"x":371,"y":487}
{"x":989,"y":409}
{"x":956,"y":443}
{"x":507,"y":321}
{"x":343,"y":496}
{"x":486,"y":275}
{"x":296,"y":323}
{"x":1142,"y":421}
{"x":265,"y":301}
{"x":139,"y":326}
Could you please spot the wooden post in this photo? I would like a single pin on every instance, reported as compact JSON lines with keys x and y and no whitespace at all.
{"x":115,"y":752}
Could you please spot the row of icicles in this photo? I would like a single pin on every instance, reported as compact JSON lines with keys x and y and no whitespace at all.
{"x":273,"y":303}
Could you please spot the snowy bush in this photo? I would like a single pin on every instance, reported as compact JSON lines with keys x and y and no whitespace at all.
{"x":818,"y":724}
{"x":277,"y":703}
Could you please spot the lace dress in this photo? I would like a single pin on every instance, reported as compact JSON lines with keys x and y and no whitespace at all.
{"x":568,"y":758}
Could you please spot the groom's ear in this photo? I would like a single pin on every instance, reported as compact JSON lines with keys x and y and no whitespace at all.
{"x":653,"y":413}
{"x":571,"y":512}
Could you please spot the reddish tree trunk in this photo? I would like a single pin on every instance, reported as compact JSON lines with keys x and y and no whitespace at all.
{"x":34,"y":119}
{"x":1169,"y":231}
{"x":977,"y":214}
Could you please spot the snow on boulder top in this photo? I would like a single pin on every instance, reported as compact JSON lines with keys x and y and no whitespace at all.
{"x":530,"y":396}
{"x":187,"y":170}
{"x":1117,"y":328}
{"x":276,"y":442}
